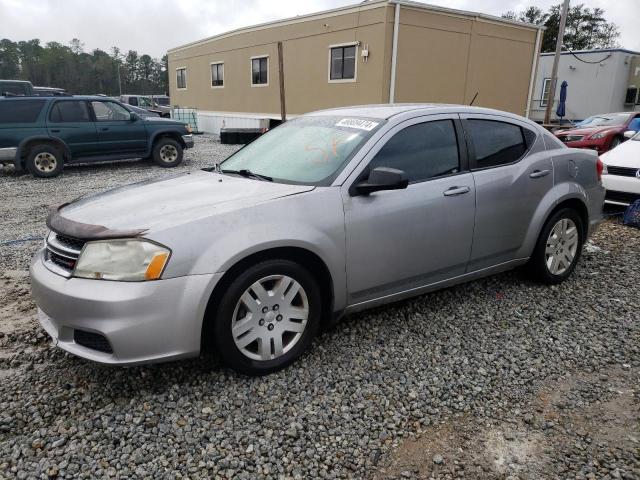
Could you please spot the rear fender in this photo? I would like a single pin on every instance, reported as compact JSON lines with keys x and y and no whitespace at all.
{"x":18,"y":161}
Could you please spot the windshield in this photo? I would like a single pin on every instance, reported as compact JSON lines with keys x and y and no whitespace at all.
{"x":608,"y":120}
{"x":162,"y":101}
{"x":307,"y":150}
{"x":145,"y":102}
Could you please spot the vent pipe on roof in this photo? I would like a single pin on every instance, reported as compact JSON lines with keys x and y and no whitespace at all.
{"x":394,"y":55}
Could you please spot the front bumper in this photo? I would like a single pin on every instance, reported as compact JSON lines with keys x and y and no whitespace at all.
{"x":600,"y":145}
{"x":188,"y":141}
{"x":143,"y":322}
{"x":621,"y":190}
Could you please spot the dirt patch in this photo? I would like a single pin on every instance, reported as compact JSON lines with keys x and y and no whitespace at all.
{"x":18,"y":316}
{"x":586,"y":423}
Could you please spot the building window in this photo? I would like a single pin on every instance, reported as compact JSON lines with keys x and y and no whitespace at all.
{"x":259,"y":71}
{"x":546,"y":86}
{"x":342,"y":62}
{"x":631,"y":96}
{"x":181,"y":77}
{"x":217,"y":74}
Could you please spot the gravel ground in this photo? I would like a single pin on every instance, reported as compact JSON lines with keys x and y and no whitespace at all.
{"x":499,"y":378}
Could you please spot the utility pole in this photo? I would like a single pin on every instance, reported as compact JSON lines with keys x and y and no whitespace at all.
{"x":556,"y":60}
{"x":283,"y":108}
{"x":119,"y":82}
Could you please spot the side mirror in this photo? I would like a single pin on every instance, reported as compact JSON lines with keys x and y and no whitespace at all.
{"x":133,"y":116}
{"x":381,"y":178}
{"x":629,"y":134}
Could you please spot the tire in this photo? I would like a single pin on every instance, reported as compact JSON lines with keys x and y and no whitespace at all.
{"x":615,"y":142}
{"x":45,"y":161}
{"x":167,"y":152}
{"x":253,"y":348}
{"x":547,"y":266}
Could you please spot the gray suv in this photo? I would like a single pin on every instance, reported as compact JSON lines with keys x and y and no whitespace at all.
{"x":331,"y":213}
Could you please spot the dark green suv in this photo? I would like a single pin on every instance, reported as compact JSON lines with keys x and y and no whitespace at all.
{"x":42,"y":134}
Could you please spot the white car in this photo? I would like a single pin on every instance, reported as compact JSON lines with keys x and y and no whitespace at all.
{"x":622,"y":175}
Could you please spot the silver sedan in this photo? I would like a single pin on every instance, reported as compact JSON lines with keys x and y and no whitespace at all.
{"x":330,"y":213}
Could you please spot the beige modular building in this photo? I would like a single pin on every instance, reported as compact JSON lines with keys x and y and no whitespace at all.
{"x":377,"y":51}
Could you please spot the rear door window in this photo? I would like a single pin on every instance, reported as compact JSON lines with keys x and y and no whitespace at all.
{"x":497,"y":143}
{"x":70,"y":111}
{"x":20,"y":111}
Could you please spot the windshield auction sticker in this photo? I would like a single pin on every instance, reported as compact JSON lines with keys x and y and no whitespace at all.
{"x":367,"y":125}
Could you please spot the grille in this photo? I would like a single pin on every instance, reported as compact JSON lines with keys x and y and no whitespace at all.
{"x":62,"y":253}
{"x":571,"y":138}
{"x":91,"y":340}
{"x":622,"y":197}
{"x":622,"y":171}
{"x":70,"y":242}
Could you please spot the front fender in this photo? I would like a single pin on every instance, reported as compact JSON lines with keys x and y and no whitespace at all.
{"x":163,"y":131}
{"x":313,"y":221}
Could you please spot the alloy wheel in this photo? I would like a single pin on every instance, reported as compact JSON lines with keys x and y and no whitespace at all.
{"x":270,"y":317}
{"x":562,"y":246}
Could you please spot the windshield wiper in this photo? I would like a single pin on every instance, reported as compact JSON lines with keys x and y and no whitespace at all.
{"x":245,"y":172}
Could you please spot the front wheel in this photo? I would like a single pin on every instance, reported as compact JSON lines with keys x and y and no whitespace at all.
{"x":267,"y":317}
{"x":559,"y":247}
{"x":615,"y":142}
{"x":167,"y":152}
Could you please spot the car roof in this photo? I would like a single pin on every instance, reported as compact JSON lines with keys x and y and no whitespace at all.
{"x":388,"y":110}
{"x":14,"y":81}
{"x":51,"y":99}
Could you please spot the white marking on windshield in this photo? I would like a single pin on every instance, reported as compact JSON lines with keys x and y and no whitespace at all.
{"x":367,"y":125}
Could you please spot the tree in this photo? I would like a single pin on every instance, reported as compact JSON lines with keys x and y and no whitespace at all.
{"x":78,"y":72}
{"x":9,"y":59}
{"x":586,"y":28}
{"x":77,"y":46}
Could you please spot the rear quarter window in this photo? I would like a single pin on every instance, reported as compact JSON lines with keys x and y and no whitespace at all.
{"x":20,"y":111}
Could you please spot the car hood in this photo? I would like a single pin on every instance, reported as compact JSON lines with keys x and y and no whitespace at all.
{"x":626,"y":154}
{"x":155,"y":204}
{"x":586,"y":131}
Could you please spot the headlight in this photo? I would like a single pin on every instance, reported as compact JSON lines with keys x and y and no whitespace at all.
{"x":188,"y":129}
{"x":129,"y":260}
{"x":599,"y":135}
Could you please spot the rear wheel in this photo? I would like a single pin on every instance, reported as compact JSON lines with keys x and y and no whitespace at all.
{"x":267,"y":317}
{"x":559,"y":247}
{"x":167,"y":152}
{"x":45,"y":161}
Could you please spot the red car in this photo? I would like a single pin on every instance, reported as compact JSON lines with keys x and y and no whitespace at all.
{"x":600,"y":132}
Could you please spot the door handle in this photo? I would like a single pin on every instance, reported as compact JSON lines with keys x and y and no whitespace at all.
{"x":539,"y":173}
{"x":104,"y":129}
{"x":456,"y":191}
{"x":55,"y":130}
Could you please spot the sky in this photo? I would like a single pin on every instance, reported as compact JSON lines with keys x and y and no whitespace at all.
{"x":154,"y":26}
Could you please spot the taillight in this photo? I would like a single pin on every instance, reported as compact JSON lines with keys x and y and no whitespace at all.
{"x":600,"y":169}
